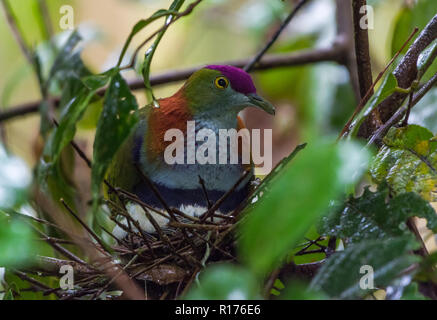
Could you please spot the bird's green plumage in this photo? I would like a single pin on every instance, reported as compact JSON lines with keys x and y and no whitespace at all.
{"x":212,"y":107}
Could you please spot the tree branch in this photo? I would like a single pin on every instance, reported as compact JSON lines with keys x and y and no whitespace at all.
{"x":272,"y":61}
{"x":345,"y":36}
{"x":361,"y":37}
{"x":397,"y":116}
{"x":406,"y":72}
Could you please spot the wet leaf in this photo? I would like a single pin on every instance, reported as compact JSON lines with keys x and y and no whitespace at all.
{"x":118,"y":118}
{"x":372,"y":216}
{"x":416,"y":14}
{"x":411,"y":292}
{"x":408,"y":161}
{"x":63,"y":61}
{"x":340,"y":275}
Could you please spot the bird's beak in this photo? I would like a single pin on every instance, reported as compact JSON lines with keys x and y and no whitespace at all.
{"x":261,"y":103}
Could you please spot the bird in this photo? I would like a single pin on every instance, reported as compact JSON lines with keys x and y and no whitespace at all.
{"x":212,"y":98}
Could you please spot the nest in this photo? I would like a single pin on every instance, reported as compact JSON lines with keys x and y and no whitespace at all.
{"x":164,"y":263}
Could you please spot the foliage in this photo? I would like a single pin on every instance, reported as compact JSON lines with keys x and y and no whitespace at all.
{"x":340,"y":276}
{"x":119,"y":116}
{"x":373,"y":217}
{"x":261,"y":248}
{"x":318,"y":205}
{"x":407,"y":161}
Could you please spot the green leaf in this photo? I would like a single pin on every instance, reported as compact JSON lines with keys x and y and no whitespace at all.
{"x":18,"y":286}
{"x":225,"y":282}
{"x":371,"y":217}
{"x":297,"y":196}
{"x":411,"y":292}
{"x":415,"y":14}
{"x":54,"y":170}
{"x":72,"y":113}
{"x":407,"y":161}
{"x":340,"y":275}
{"x":16,"y":245}
{"x":91,"y":116}
{"x":66,"y":130}
{"x":118,"y":118}
{"x":62,"y":62}
{"x":426,"y":58}
{"x":56,"y":177}
{"x":8,"y":295}
{"x":401,"y":288}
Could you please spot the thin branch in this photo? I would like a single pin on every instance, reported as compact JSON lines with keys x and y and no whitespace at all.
{"x":268,"y":62}
{"x":61,"y":249}
{"x":34,"y":282}
{"x":52,"y":266}
{"x":251,"y":64}
{"x":205,"y":192}
{"x":85,"y":226}
{"x":187,"y":11}
{"x":218,"y":203}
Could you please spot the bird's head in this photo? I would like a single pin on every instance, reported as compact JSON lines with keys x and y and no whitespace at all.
{"x":218,"y":89}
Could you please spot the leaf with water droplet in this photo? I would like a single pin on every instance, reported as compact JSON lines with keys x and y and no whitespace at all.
{"x":408,"y":161}
{"x":372,"y":217}
{"x":341,"y":275}
{"x":118,"y":118}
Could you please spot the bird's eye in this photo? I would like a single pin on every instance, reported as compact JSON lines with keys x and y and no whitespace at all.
{"x":221,"y":82}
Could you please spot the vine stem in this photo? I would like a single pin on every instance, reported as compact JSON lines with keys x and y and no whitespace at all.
{"x":250,"y":65}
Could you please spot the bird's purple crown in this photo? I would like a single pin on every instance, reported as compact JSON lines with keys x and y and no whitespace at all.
{"x":240,"y":80}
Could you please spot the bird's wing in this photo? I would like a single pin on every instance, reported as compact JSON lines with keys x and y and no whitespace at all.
{"x":122,"y":172}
